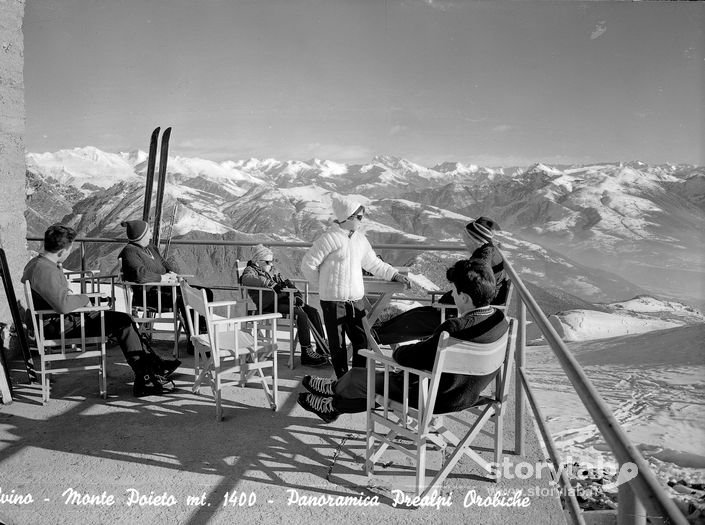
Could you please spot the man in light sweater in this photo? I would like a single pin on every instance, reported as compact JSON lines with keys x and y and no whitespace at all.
{"x":50,"y":290}
{"x":335,"y":262}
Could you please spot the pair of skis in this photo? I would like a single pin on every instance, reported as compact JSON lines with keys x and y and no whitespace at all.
{"x":161,"y":181}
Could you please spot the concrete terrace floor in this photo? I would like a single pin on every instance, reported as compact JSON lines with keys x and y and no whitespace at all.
{"x":171,"y":447}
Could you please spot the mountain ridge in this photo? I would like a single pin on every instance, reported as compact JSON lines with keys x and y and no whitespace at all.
{"x":625,"y":218}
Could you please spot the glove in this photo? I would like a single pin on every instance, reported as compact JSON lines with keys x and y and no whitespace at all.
{"x":402,"y":279}
{"x":298,"y":300}
{"x":279,"y":287}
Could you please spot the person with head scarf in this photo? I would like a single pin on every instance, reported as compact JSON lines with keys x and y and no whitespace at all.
{"x":259,"y":273}
{"x":335,"y":262}
{"x":418,"y":323}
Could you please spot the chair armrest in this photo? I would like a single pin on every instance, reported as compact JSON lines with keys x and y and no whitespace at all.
{"x":97,"y":308}
{"x":387,"y":359}
{"x":245,"y":319}
{"x":263,"y":288}
{"x":222,"y":303}
{"x":75,"y":311}
{"x":159,"y":284}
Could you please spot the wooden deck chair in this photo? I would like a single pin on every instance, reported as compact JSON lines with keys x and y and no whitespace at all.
{"x":420,"y":426}
{"x":62,"y":349}
{"x":148,"y":314}
{"x":228,"y":348}
{"x":253,"y":296}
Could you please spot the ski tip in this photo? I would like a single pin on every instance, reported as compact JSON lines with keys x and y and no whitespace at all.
{"x":155,"y":132}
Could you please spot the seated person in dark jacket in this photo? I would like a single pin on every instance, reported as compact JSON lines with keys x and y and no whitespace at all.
{"x":258,"y":273}
{"x":473,"y":288}
{"x":50,"y":290}
{"x":420,"y":322}
{"x":142,"y":263}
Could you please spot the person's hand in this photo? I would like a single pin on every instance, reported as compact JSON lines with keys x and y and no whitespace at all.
{"x":298,"y":300}
{"x":170,"y":277}
{"x":398,"y":277}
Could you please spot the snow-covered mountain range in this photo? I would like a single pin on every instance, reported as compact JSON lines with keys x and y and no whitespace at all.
{"x":601,"y":233}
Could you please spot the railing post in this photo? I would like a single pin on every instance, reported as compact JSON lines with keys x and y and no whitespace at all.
{"x":82,"y":246}
{"x":518,"y":385}
{"x":630,"y":510}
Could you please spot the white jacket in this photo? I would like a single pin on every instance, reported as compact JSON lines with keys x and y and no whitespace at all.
{"x":335,"y":262}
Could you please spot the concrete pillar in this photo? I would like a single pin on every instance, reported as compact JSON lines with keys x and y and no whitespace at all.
{"x":13,"y":228}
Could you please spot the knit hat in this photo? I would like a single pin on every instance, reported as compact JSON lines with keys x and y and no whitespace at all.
{"x":261,"y":253}
{"x":135,"y":229}
{"x":344,"y":207}
{"x":481,"y":229}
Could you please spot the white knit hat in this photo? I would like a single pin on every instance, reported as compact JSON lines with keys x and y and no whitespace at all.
{"x":261,"y":253}
{"x":344,"y":207}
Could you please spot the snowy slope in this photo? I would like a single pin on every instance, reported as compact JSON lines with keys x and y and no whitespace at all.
{"x":636,"y":316}
{"x":655,"y":385}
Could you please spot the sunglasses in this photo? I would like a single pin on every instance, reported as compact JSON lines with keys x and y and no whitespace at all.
{"x":268,"y":262}
{"x":358,"y":217}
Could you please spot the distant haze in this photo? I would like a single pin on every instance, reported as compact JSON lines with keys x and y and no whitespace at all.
{"x":491,"y":83}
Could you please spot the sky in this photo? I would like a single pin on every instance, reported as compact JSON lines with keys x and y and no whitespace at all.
{"x":489,"y":83}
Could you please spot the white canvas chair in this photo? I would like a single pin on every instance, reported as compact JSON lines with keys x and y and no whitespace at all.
{"x":287,"y":320}
{"x":60,"y":350}
{"x":420,"y":426}
{"x":232,"y":346}
{"x":147,"y":315}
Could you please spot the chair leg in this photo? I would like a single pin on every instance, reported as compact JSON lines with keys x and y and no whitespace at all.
{"x":103,"y":373}
{"x":498,"y":436}
{"x":293,"y":341}
{"x":244,"y":372}
{"x":275,"y":381}
{"x":45,"y":382}
{"x":218,"y":400}
{"x":463,"y":448}
{"x":420,"y":466}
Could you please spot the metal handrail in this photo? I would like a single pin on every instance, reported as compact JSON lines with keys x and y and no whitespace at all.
{"x":642,"y":492}
{"x":644,"y":486}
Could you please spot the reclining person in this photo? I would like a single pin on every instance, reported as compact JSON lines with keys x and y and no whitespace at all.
{"x":142,"y":263}
{"x":258,"y":273}
{"x":419,"y":323}
{"x":473,"y":288}
{"x":50,"y":289}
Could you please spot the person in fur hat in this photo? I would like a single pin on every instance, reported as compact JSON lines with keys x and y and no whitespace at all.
{"x":419,"y":323}
{"x":259,"y":273}
{"x":335,"y":262}
{"x":142,"y":263}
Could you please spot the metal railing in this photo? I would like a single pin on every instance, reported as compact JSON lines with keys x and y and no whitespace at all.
{"x":638,"y":499}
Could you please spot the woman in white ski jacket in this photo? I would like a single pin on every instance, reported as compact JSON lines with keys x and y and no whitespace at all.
{"x":335,"y":262}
